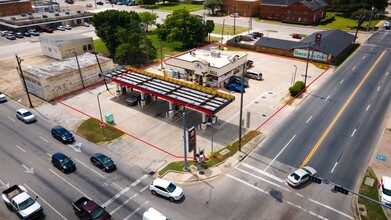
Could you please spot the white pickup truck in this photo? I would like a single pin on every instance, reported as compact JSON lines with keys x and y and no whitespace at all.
{"x":17,"y":199}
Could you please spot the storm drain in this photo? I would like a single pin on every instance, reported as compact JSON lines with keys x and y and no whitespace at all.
{"x":151,"y":173}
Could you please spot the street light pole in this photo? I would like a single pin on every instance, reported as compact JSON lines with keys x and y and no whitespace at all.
{"x":100,"y":110}
{"x":235,"y":13}
{"x":294,"y":76}
{"x":19,"y":61}
{"x":306,"y":67}
{"x":241,"y":109}
{"x":184,"y":141}
{"x":370,"y":18}
{"x":78,"y":66}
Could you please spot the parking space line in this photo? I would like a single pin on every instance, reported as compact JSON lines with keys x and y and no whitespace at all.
{"x":341,"y":81}
{"x":327,"y":98}
{"x":21,"y":149}
{"x":368,"y":107}
{"x":378,"y":88}
{"x":335,"y":165}
{"x":354,"y":131}
{"x":45,"y":201}
{"x":134,"y":212}
{"x":43,"y":139}
{"x":309,"y":119}
{"x":280,"y":152}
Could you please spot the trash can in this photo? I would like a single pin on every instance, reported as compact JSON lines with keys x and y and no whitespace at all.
{"x":109,"y":118}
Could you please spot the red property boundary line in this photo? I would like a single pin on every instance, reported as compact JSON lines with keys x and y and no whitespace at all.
{"x":223,"y":157}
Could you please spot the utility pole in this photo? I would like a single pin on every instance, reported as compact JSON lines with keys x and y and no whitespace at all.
{"x":78,"y":66}
{"x":235,"y":13}
{"x":306,"y":67}
{"x":360,"y":21}
{"x":241,"y":109}
{"x":19,"y":61}
{"x":100,"y":68}
{"x":370,"y":18}
{"x":222,"y":33}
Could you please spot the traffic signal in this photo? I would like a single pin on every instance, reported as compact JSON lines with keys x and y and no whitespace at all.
{"x":341,"y":190}
{"x":315,"y":179}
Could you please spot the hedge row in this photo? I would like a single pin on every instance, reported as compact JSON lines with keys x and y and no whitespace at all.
{"x":296,"y":88}
{"x":328,"y":19}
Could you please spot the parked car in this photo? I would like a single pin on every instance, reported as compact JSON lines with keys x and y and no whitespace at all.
{"x":25,"y":115}
{"x":61,"y":28}
{"x":47,"y":30}
{"x":63,"y":162}
{"x":99,"y":3}
{"x":238,"y":80}
{"x":3,"y":98}
{"x":385,"y":190}
{"x":233,"y":86}
{"x":300,"y":176}
{"x":89,"y":5}
{"x":153,"y":214}
{"x":249,"y":63}
{"x":86,"y":24}
{"x":10,"y":37}
{"x":297,"y":36}
{"x":33,"y":32}
{"x":19,"y":35}
{"x":253,"y":74}
{"x":103,"y":162}
{"x":62,"y":134}
{"x":68,"y":27}
{"x":119,"y":3}
{"x":256,"y":34}
{"x":26,"y":34}
{"x":166,"y":189}
{"x":4,"y":33}
{"x":235,"y":15}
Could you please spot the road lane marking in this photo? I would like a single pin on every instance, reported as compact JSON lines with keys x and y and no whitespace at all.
{"x":280,"y":152}
{"x":331,"y":125}
{"x":341,"y":81}
{"x":386,"y":73}
{"x":264,"y":180}
{"x":116,"y":196}
{"x":41,"y":198}
{"x":43,"y":139}
{"x":363,"y":57}
{"x":70,"y":184}
{"x":11,"y":118}
{"x":49,"y":154}
{"x":124,"y":203}
{"x":263,"y":172}
{"x":335,"y":165}
{"x":327,"y":98}
{"x":139,"y":180}
{"x":263,"y":191}
{"x":354,"y":68}
{"x":378,"y":88}
{"x":309,"y":119}
{"x":145,"y":187}
{"x":354,"y":131}
{"x":134,"y":212}
{"x":21,"y":149}
{"x":368,"y":107}
{"x":332,"y":209}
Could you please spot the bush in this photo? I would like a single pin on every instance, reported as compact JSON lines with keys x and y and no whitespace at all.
{"x":296,"y":88}
{"x":330,"y":17}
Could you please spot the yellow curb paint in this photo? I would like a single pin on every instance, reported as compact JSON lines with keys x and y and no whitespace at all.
{"x":315,"y":148}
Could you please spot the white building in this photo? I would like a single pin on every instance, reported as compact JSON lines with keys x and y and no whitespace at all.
{"x":62,"y":46}
{"x":210,"y":68}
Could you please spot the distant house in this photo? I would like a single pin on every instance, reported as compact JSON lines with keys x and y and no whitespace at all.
{"x":293,"y":11}
{"x":332,"y":44}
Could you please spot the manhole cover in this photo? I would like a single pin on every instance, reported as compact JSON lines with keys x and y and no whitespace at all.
{"x":256,"y":102}
{"x":263,"y":97}
{"x":151,"y":173}
{"x":263,"y":115}
{"x":270,"y":93}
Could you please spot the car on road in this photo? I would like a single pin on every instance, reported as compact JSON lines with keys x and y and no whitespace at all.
{"x":62,"y":134}
{"x":86,"y":24}
{"x":238,"y":80}
{"x":19,"y":35}
{"x":300,"y":176}
{"x":233,"y":86}
{"x":385,"y":190}
{"x":297,"y":36}
{"x":89,"y":5}
{"x":25,"y":115}
{"x":167,"y":189}
{"x":10,"y":37}
{"x":99,"y":3}
{"x":63,"y":162}
{"x":103,"y":162}
{"x":68,"y":27}
{"x":3,"y":98}
{"x":235,"y":15}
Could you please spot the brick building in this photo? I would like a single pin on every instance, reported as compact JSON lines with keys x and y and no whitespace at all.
{"x":242,"y":7}
{"x":293,"y":11}
{"x":16,"y":7}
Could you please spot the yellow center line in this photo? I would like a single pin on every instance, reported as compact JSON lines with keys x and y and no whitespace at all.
{"x":315,"y":148}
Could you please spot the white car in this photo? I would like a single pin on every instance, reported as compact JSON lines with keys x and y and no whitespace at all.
{"x":86,"y":24}
{"x":68,"y":27}
{"x":3,"y":98}
{"x":166,"y":189}
{"x":25,"y":115}
{"x":61,"y":28}
{"x":385,"y":190}
{"x":300,"y":176}
{"x":235,"y":15}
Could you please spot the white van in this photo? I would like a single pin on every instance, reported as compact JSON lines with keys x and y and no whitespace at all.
{"x":152,"y":214}
{"x":253,"y":74}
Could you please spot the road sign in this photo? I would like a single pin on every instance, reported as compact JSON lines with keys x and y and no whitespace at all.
{"x":326,"y":181}
{"x":381,"y":157}
{"x":101,"y":124}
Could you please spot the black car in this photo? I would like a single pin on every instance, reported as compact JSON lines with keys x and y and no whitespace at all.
{"x":99,"y":3}
{"x":26,"y":34}
{"x":103,"y":162}
{"x":63,"y":162}
{"x":135,"y":98}
{"x":62,"y":134}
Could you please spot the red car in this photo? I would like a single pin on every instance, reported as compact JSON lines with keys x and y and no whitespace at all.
{"x":47,"y":30}
{"x":297,"y":36}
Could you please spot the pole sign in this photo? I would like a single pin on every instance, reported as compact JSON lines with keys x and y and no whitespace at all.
{"x":315,"y":54}
{"x":318,"y":39}
{"x":191,"y":134}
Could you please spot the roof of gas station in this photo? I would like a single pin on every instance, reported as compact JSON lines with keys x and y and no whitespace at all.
{"x":192,"y":96}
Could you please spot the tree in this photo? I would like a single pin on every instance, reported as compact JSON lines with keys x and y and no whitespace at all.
{"x":213,"y":5}
{"x":184,"y":27}
{"x":349,"y":6}
{"x":148,"y":18}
